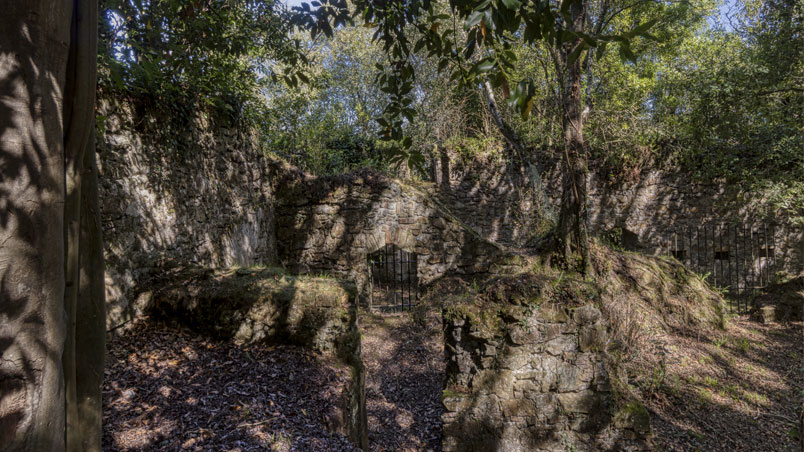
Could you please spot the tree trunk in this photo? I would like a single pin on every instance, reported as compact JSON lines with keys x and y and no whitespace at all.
{"x":572,"y":223}
{"x":47,"y":80}
{"x":35,"y":40}
{"x":90,"y":341}
{"x":79,"y":105}
{"x":510,"y":134}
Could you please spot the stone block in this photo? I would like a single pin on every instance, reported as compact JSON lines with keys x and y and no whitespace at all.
{"x":579,"y":402}
{"x":586,"y":315}
{"x":593,"y":338}
{"x":562,"y":344}
{"x":554,"y":313}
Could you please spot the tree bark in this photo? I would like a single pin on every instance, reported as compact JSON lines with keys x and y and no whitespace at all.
{"x":47,"y":87}
{"x":35,"y":41}
{"x":90,"y":341}
{"x":79,"y":125}
{"x":510,"y":134}
{"x":572,"y":224}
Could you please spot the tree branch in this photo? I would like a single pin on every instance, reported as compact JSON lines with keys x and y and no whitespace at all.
{"x":510,"y":135}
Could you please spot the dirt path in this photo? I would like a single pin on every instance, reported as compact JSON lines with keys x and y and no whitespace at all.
{"x":404,"y":378}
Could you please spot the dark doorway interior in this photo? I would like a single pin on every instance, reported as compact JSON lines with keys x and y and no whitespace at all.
{"x":393,"y":279}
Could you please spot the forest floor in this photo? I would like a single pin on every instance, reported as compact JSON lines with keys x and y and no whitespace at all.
{"x":739,"y":389}
{"x":168,"y":389}
{"x":404,"y":361}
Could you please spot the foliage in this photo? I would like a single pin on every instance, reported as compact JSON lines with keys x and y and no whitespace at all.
{"x":326,"y":126}
{"x":736,"y":103}
{"x":482,"y":49}
{"x":201,"y":54}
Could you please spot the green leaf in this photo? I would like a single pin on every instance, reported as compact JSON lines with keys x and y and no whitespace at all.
{"x":575,"y":54}
{"x":532,"y":32}
{"x":512,"y":4}
{"x":474,"y":19}
{"x":589,"y":40}
{"x":626,"y":54}
{"x":643,"y":28}
{"x":485,"y":65}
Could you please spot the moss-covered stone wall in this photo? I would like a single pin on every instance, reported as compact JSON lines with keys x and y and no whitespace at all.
{"x":200,"y":194}
{"x":249,"y":305}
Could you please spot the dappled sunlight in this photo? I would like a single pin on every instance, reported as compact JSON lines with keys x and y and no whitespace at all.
{"x":170,"y":389}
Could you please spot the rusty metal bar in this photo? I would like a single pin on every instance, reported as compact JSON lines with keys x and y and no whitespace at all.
{"x":728,"y":256}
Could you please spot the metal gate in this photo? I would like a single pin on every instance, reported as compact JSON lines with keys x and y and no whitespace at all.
{"x":739,"y":258}
{"x":393,"y":279}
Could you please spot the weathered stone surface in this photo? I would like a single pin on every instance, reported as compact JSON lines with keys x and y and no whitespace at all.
{"x":200,"y":195}
{"x":489,"y":194}
{"x":586,"y":315}
{"x":264,"y":305}
{"x":593,"y":337}
{"x":387,"y":212}
{"x":539,"y":395}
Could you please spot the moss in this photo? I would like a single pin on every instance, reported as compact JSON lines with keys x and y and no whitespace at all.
{"x":635,"y":408}
{"x":448,"y":393}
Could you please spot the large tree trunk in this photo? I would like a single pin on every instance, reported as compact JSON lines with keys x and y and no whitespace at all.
{"x":79,"y":126}
{"x":35,"y":42}
{"x":572,"y":223}
{"x":47,"y":86}
{"x":90,"y":341}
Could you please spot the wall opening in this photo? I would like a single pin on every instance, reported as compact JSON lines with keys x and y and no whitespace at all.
{"x":393,"y":279}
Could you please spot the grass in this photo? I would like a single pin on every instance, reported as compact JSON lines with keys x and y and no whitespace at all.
{"x":743,"y":344}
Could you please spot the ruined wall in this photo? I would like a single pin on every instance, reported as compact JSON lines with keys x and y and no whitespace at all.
{"x":170,"y":197}
{"x":536,"y":383}
{"x":502,"y":201}
{"x":331,"y":224}
{"x":252,"y":305}
{"x":506,"y":202}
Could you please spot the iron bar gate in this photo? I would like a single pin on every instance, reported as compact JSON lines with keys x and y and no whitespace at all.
{"x":393,"y":279}
{"x":738,"y":258}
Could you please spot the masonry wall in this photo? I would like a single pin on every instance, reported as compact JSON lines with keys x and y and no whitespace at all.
{"x":507,"y":202}
{"x":538,"y":383}
{"x":332,"y":224}
{"x":200,"y":194}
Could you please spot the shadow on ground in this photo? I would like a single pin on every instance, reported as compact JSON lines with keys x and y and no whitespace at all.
{"x":404,"y":380}
{"x":733,"y":390}
{"x":169,"y":389}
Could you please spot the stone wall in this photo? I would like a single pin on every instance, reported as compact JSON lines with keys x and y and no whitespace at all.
{"x":198,"y":195}
{"x":331,"y":224}
{"x":252,"y":305}
{"x":507,"y":203}
{"x":502,"y":201}
{"x":536,"y":383}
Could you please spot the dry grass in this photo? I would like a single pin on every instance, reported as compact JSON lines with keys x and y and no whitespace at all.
{"x":710,"y":383}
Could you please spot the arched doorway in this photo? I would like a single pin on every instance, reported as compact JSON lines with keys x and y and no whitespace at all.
{"x":393,"y":279}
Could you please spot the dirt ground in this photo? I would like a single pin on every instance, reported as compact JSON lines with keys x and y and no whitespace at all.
{"x":739,"y":389}
{"x":168,"y":389}
{"x":404,"y":380}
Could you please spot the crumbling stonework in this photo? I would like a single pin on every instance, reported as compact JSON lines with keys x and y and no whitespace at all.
{"x":331,"y":224}
{"x":536,"y":383}
{"x":506,"y":202}
{"x":250,"y":305}
{"x":201,"y":195}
